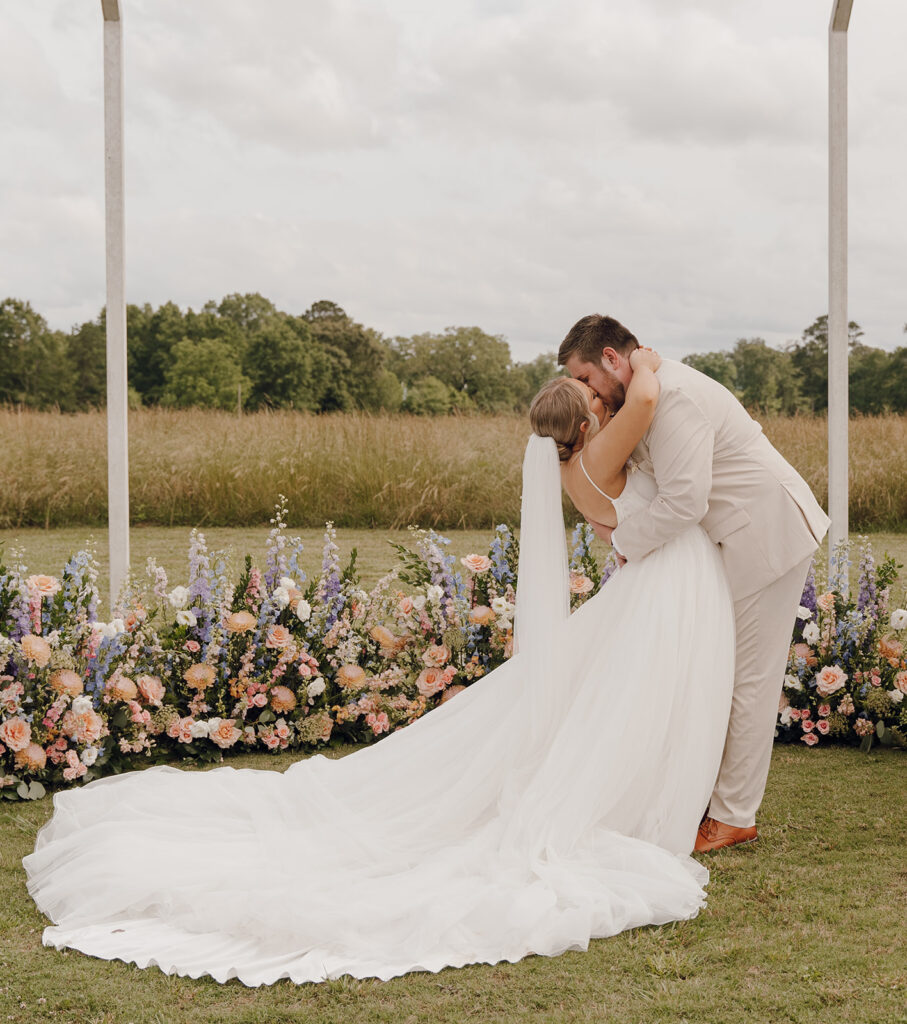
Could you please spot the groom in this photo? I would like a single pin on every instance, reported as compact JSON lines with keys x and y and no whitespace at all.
{"x":714,"y":466}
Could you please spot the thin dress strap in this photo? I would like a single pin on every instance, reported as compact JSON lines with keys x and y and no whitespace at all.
{"x":582,"y":466}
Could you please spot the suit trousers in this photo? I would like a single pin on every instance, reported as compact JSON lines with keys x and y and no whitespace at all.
{"x":765,"y":622}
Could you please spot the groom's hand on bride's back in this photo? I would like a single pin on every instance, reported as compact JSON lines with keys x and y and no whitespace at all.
{"x":604,"y":532}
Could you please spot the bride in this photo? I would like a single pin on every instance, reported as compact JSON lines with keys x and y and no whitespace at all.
{"x":554,"y":801}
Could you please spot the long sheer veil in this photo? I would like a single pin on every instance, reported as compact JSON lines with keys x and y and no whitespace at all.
{"x":543,"y":583}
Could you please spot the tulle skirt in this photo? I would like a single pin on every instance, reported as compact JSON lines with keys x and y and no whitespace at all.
{"x":526,"y":815}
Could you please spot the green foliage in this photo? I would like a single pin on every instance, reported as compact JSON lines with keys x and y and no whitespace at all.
{"x":204,"y":374}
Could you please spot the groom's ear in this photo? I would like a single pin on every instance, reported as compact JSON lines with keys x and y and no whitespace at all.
{"x":610,"y":357}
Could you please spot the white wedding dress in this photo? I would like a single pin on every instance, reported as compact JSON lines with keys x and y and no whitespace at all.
{"x":552,"y":802}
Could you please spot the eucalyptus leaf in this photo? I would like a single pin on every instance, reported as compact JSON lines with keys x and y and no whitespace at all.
{"x":36,"y":791}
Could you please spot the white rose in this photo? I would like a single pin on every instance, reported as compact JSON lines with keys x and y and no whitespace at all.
{"x":287,"y":583}
{"x":185,"y":617}
{"x":199,"y":730}
{"x":899,"y":618}
{"x":303,"y":610}
{"x":434,"y":594}
{"x":81,"y":704}
{"x":784,"y":717}
{"x":281,"y":597}
{"x":89,"y":756}
{"x":811,"y":632}
{"x":791,"y":682}
{"x":896,"y":696}
{"x":178,"y":597}
{"x":315,"y":687}
{"x":419,"y":602}
{"x":804,"y":613}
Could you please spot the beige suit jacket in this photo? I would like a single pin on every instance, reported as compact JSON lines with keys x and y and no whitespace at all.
{"x":714,"y":466}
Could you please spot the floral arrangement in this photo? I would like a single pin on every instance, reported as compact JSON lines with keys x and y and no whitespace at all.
{"x":275,"y":662}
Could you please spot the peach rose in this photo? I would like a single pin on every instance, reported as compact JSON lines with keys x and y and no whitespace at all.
{"x":16,"y":734}
{"x":32,"y":758}
{"x":430,"y":682}
{"x":121,"y":688}
{"x":240,"y":622}
{"x":436,"y":656}
{"x":45,"y":586}
{"x":476,"y":564}
{"x":891,"y":650}
{"x":151,"y":689}
{"x":900,"y":681}
{"x":405,"y":606}
{"x":223,"y":732}
{"x":278,"y":638}
{"x":579,"y":584}
{"x":805,"y":652}
{"x":481,"y":615}
{"x":830,"y":680}
{"x":66,"y":681}
{"x":82,"y":726}
{"x":350,"y":677}
{"x":199,"y":677}
{"x":282,"y":698}
{"x":452,"y":691}
{"x":36,"y":649}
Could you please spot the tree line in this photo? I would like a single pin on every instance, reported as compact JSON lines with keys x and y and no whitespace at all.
{"x":243,"y":352}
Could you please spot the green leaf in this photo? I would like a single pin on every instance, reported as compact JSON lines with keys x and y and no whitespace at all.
{"x":22,"y":790}
{"x":866,"y":745}
{"x":36,"y":791}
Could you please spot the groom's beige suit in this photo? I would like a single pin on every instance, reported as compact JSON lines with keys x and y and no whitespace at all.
{"x":714,"y":466}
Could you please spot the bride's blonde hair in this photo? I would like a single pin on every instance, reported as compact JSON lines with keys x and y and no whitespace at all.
{"x":559,"y":411}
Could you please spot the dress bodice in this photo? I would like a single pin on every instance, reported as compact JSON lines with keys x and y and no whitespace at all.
{"x":637,"y":494}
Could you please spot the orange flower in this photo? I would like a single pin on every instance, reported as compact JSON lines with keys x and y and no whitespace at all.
{"x":279,"y":637}
{"x":430,"y":682}
{"x":199,"y":677}
{"x":32,"y":758}
{"x":481,"y":615}
{"x":350,"y":677}
{"x":121,"y":688}
{"x":889,"y":649}
{"x":65,"y":681}
{"x":224,"y":733}
{"x":16,"y":734}
{"x":82,"y":726}
{"x":240,"y":622}
{"x":36,"y":649}
{"x":282,"y":698}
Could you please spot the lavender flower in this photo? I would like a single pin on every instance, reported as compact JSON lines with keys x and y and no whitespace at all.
{"x":867,"y":600}
{"x":500,"y":550}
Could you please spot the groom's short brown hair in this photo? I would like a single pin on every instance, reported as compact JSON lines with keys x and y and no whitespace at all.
{"x":587,"y":337}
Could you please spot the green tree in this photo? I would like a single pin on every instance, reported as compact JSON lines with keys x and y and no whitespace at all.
{"x":527,"y":378}
{"x":363,"y":348}
{"x":86,"y":356}
{"x":33,"y":369}
{"x":150,"y":338}
{"x":719,"y":366}
{"x":809,"y":356}
{"x":205,"y":374}
{"x":279,"y":365}
{"x":428,"y":396}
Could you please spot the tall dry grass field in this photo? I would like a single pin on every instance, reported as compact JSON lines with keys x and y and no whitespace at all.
{"x":211,"y":468}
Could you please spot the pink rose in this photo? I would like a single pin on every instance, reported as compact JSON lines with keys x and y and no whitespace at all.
{"x":900,"y":681}
{"x":16,"y":734}
{"x":794,"y":715}
{"x":281,"y":729}
{"x":436,"y":656}
{"x":476,"y":564}
{"x":823,"y":727}
{"x":192,"y":646}
{"x":810,"y":739}
{"x":278,"y":638}
{"x":259,"y":700}
{"x":151,"y":689}
{"x":824,"y":710}
{"x":875,"y":680}
{"x":830,"y":680}
{"x":430,"y":682}
{"x":807,"y":725}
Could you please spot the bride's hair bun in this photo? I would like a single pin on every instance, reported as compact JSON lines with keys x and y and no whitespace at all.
{"x":558,"y":411}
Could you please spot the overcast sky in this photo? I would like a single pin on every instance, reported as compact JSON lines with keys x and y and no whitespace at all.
{"x":513,"y":164}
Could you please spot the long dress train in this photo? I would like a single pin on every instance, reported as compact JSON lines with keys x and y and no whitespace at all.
{"x":471,"y":836}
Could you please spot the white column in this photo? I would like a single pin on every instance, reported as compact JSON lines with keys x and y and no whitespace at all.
{"x":838,"y":398}
{"x":117,"y":406}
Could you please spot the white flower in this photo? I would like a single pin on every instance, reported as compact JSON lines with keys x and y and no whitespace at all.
{"x":434,"y":594}
{"x":899,"y":618}
{"x":109,"y":629}
{"x":199,"y":730}
{"x":791,"y":682}
{"x":804,"y":613}
{"x":81,"y":704}
{"x":185,"y":617}
{"x":118,"y":626}
{"x":303,"y":610}
{"x":501,"y":606}
{"x":89,"y":756}
{"x":179,"y":597}
{"x":784,"y":717}
{"x":98,"y":626}
{"x":419,"y":602}
{"x":811,"y":632}
{"x":281,"y":597}
{"x":315,"y":687}
{"x":287,"y":583}
{"x":896,"y":696}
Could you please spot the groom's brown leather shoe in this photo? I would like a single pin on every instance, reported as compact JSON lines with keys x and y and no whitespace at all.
{"x":715,"y":835}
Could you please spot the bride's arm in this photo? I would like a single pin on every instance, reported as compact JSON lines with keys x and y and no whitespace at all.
{"x":606,"y":454}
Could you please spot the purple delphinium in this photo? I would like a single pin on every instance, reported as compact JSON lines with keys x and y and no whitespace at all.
{"x":441,"y":565}
{"x":500,"y":546}
{"x":580,"y":541}
{"x":867,"y":599}
{"x":838,"y":567}
{"x":330,"y":586}
{"x":80,"y":575}
{"x":609,"y":568}
{"x":201,"y":589}
{"x":808,"y":600}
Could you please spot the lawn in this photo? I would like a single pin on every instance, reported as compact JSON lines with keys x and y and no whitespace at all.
{"x":806,"y":925}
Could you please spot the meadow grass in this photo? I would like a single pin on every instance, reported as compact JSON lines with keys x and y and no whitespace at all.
{"x":806,"y":925}
{"x":202,"y":468}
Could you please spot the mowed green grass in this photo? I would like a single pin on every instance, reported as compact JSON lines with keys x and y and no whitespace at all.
{"x":805,"y":926}
{"x":47,"y":550}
